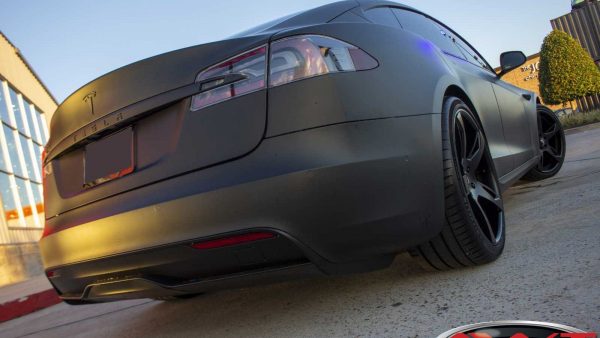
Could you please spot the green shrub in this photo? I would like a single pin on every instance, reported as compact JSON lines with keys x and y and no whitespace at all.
{"x":580,"y":119}
{"x":567,"y":71}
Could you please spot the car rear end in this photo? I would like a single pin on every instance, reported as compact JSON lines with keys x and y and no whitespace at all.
{"x":181,"y":173}
{"x":133,"y":128}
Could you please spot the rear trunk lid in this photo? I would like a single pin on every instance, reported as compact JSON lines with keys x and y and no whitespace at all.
{"x":142,"y":111}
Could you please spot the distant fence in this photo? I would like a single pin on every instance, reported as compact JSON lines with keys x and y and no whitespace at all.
{"x":589,"y":103}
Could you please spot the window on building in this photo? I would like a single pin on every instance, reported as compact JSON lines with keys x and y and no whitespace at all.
{"x":41,"y":118}
{"x":30,"y":117}
{"x":37,"y":195}
{"x":28,"y":155}
{"x":13,"y":153}
{"x":37,"y":150}
{"x":16,"y":109}
{"x":8,"y":201}
{"x":27,"y":203}
{"x":24,"y":132}
{"x":3,"y":106}
{"x":3,"y":166}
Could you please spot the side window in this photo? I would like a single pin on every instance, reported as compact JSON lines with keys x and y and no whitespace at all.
{"x":382,"y":16}
{"x":427,"y":28}
{"x":471,"y":55}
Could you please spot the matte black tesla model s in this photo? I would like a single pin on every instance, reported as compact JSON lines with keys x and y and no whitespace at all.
{"x":321,"y":143}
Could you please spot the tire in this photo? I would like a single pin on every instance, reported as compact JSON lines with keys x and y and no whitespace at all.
{"x":474,"y":231}
{"x":552,"y":145}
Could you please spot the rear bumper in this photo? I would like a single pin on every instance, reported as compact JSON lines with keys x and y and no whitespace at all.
{"x":338,"y":195}
{"x":134,"y":288}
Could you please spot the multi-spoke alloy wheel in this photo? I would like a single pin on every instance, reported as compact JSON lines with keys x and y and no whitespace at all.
{"x":474,"y":231}
{"x":552,"y":146}
{"x":478,"y":175}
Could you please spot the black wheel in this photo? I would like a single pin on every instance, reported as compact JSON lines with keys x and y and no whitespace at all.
{"x":552,"y":146}
{"x":474,"y":229}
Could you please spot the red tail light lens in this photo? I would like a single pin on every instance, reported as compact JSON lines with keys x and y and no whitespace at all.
{"x":240,"y":75}
{"x":305,"y":56}
{"x":291,"y":59}
{"x":233,"y":240}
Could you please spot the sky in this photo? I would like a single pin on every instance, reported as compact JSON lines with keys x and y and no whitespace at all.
{"x":71,"y":42}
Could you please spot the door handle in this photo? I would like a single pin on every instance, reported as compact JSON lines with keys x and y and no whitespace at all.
{"x":527,"y":97}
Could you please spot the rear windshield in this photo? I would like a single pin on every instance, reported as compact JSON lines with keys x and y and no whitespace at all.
{"x":265,"y":26}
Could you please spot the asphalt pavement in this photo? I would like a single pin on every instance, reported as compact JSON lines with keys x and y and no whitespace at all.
{"x":550,"y":271}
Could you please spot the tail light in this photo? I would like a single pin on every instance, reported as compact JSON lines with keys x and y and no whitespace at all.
{"x":291,"y":59}
{"x":233,"y":240}
{"x":301,"y":57}
{"x":240,"y":75}
{"x":45,"y":169}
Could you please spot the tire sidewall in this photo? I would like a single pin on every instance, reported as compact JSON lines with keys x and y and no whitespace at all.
{"x":452,"y":106}
{"x":563,"y":142}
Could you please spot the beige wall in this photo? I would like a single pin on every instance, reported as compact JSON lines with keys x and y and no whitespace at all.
{"x":527,"y":77}
{"x":16,"y":72}
{"x":19,"y":262}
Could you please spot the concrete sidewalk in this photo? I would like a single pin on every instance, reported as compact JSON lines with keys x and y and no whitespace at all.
{"x":22,"y":298}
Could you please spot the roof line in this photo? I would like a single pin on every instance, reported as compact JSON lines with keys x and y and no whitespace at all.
{"x":28,"y":65}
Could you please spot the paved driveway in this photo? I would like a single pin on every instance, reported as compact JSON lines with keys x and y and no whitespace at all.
{"x":550,"y":271}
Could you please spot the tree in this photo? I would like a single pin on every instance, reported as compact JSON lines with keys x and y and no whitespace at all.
{"x":567,"y":72}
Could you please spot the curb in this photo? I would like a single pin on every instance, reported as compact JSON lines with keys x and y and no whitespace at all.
{"x":28,"y":304}
{"x":583,"y":128}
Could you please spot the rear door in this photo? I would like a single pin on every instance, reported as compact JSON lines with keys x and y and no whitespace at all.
{"x":476,"y":80}
{"x":511,"y":104}
{"x":517,"y":131}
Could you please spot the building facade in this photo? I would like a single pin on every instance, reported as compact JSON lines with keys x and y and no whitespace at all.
{"x":527,"y":77}
{"x":26,"y":107}
{"x":583,"y":24}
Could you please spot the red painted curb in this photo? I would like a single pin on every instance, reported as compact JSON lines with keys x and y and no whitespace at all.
{"x":26,"y":305}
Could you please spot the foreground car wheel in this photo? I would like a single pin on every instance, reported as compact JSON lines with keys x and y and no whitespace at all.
{"x":552,"y":146}
{"x":474,"y":231}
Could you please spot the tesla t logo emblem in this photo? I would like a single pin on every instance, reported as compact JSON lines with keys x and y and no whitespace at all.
{"x":89,"y":98}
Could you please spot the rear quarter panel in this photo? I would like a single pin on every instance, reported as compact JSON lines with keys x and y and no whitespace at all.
{"x":406,"y":83}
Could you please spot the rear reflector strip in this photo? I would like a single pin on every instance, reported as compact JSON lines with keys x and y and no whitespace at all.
{"x":233,"y":240}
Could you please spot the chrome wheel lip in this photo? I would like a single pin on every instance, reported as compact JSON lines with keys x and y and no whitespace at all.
{"x":474,"y":168}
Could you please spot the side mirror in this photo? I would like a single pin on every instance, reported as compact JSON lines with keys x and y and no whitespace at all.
{"x":510,"y":61}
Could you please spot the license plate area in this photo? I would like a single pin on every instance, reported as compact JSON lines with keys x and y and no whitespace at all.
{"x":109,"y":158}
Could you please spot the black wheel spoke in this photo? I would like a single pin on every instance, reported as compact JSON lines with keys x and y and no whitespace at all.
{"x":462,"y":136}
{"x":554,"y":152}
{"x":487,"y":226}
{"x":550,"y":133}
{"x":476,"y":153}
{"x":540,"y":165}
{"x":488,"y":193}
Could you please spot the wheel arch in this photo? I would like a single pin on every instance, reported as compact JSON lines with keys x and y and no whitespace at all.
{"x":456,"y":91}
